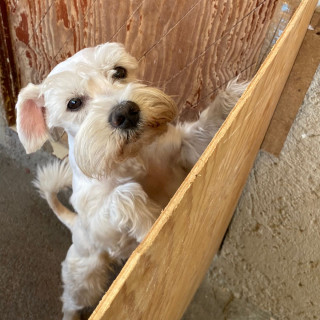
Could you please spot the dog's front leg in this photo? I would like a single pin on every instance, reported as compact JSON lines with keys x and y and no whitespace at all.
{"x":85,"y":279}
{"x":195,"y":136}
{"x":132,"y":210}
{"x":127,"y":211}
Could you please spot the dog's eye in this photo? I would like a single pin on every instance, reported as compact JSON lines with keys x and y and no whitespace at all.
{"x":120,"y":73}
{"x":74,"y":104}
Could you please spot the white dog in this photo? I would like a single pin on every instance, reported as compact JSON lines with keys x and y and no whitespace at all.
{"x":126,"y":159}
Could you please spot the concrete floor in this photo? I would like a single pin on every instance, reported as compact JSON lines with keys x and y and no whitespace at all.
{"x":32,"y":241}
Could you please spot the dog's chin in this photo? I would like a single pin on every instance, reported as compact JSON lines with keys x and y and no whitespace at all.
{"x":107,"y":156}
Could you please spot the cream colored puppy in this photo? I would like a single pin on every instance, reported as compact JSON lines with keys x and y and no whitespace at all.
{"x":126,"y":159}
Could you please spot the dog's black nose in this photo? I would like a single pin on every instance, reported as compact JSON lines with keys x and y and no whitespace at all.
{"x":125,"y":115}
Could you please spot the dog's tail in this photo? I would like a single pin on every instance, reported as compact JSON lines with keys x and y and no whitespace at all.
{"x":52,"y":178}
{"x":197,"y":135}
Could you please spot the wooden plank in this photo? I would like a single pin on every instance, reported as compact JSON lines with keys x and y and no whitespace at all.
{"x":9,"y":83}
{"x":295,"y":90}
{"x":161,"y":276}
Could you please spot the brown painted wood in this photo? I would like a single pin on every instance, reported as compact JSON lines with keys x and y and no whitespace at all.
{"x":188,"y":48}
{"x":9,"y":82}
{"x":221,"y":61}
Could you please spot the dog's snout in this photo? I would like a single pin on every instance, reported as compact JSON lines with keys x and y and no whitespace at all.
{"x":125,"y":115}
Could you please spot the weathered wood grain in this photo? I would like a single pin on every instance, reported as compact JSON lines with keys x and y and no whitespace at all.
{"x":61,"y":31}
{"x":25,"y":21}
{"x":99,"y":24}
{"x":189,"y":48}
{"x":231,"y":55}
{"x":163,"y":273}
{"x":39,"y":30}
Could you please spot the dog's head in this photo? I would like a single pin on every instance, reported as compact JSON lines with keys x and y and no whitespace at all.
{"x":118,"y":127}
{"x":94,"y":97}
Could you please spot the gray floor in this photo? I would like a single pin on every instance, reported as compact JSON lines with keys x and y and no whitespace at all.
{"x":32,"y":241}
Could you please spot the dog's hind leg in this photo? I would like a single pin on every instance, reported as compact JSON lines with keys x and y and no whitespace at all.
{"x":50,"y":180}
{"x":85,"y":280}
{"x":197,"y":135}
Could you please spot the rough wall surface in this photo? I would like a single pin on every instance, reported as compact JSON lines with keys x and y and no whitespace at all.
{"x":270,"y":259}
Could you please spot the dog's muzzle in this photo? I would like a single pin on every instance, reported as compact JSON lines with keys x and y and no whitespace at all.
{"x":125,"y":115}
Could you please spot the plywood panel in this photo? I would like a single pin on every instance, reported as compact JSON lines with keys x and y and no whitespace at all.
{"x":162,"y":275}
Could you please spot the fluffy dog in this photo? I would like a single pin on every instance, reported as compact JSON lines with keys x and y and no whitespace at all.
{"x":126,"y":159}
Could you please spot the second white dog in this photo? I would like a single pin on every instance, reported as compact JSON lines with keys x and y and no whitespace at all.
{"x":126,"y":159}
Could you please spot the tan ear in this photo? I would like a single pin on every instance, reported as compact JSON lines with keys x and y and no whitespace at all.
{"x":31,"y":123}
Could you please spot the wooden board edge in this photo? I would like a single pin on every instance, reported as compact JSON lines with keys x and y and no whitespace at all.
{"x":136,"y":287}
{"x":9,"y":81}
{"x":294,"y":92}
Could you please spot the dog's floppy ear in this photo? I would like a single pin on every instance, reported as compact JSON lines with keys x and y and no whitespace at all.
{"x":31,"y":123}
